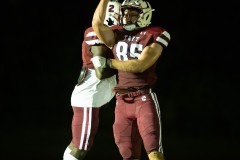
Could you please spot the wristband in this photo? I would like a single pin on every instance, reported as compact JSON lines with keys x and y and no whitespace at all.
{"x":108,"y":63}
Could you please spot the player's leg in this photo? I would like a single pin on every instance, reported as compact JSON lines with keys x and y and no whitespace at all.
{"x":84,"y":128}
{"x":122,"y":129}
{"x":136,"y":141}
{"x":149,"y":124}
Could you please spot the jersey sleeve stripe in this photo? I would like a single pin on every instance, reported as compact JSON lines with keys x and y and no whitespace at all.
{"x":93,"y":42}
{"x":91,"y":39}
{"x":164,"y":38}
{"x":91,"y":34}
{"x":166,"y":34}
{"x":162,"y":41}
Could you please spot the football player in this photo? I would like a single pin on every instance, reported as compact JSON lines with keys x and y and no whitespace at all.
{"x":92,"y":91}
{"x":137,"y":48}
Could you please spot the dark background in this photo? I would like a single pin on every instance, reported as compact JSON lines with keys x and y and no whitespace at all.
{"x":198,"y":85}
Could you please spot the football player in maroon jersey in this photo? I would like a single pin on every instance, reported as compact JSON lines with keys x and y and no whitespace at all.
{"x":137,"y":48}
{"x":91,"y":92}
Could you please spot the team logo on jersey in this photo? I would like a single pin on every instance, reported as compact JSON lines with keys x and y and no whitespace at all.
{"x":144,"y":98}
{"x":131,"y":38}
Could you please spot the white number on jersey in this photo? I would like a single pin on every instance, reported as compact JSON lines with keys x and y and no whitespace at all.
{"x":122,"y":50}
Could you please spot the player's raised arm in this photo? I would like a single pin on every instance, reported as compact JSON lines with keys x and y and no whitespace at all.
{"x":104,"y":32}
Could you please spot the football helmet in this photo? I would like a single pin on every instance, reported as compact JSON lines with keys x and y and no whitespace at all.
{"x":112,"y":13}
{"x":144,"y":18}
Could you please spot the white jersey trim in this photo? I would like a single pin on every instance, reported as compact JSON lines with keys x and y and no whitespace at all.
{"x":163,"y":41}
{"x":95,"y":41}
{"x":165,"y":33}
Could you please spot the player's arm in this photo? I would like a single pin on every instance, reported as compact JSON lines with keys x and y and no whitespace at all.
{"x":104,"y":33}
{"x":148,"y":57}
{"x":101,"y":72}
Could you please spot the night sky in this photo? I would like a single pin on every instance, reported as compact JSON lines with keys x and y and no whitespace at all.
{"x":198,"y":85}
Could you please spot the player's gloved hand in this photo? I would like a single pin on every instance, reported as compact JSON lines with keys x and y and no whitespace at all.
{"x":102,"y":62}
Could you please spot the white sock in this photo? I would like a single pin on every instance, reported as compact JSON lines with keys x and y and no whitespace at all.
{"x":67,"y":155}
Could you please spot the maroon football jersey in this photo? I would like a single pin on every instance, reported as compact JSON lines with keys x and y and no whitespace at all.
{"x":129,"y":45}
{"x":90,"y":39}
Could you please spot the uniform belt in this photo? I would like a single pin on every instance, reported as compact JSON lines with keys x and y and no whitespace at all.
{"x":129,"y":89}
{"x":133,"y":92}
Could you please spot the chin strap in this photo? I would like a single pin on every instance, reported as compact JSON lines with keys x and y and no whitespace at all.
{"x":130,"y":27}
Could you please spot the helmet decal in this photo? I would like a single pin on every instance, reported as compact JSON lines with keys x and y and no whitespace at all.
{"x":109,"y":21}
{"x":112,"y":13}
